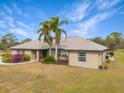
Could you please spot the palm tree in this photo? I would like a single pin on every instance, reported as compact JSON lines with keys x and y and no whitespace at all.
{"x":55,"y":26}
{"x":45,"y":32}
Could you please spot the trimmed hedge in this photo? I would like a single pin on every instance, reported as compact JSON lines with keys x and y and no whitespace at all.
{"x":49,"y":60}
{"x":6,"y":58}
{"x":25,"y":57}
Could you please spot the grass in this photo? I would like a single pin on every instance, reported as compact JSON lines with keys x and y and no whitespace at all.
{"x":49,"y":78}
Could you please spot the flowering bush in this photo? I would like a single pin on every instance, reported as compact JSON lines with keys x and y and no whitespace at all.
{"x":16,"y":58}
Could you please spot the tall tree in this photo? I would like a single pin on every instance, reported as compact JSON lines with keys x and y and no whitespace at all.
{"x":116,"y":36}
{"x":55,"y":26}
{"x":45,"y":32}
{"x":109,"y":42}
{"x":98,"y":40}
{"x":8,"y":40}
{"x":122,"y":43}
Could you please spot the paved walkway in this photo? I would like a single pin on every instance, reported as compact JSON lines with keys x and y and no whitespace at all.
{"x":28,"y":62}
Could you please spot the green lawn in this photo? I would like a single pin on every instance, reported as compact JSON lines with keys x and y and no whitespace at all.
{"x":41,"y":78}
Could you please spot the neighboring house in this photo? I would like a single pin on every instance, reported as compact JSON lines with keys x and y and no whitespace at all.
{"x":80,"y":52}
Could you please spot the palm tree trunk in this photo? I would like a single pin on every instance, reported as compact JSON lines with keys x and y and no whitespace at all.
{"x":56,"y":52}
{"x":50,"y":51}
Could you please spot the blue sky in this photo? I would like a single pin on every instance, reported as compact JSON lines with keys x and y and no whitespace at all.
{"x":87,"y":18}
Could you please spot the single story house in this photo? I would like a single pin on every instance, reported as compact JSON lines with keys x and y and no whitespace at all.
{"x":80,"y":52}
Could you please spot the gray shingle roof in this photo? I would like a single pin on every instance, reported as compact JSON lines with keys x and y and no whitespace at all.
{"x":70,"y":43}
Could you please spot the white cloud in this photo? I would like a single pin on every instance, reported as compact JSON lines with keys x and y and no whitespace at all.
{"x":16,"y":27}
{"x":19,"y":31}
{"x":77,"y":11}
{"x":23,"y":32}
{"x":11,"y":24}
{"x":9,"y":19}
{"x":106,"y":4}
{"x":94,"y":20}
{"x":17,"y":9}
{"x":90,"y":25}
{"x":8,"y":9}
{"x":23,"y":24}
{"x":2,"y":24}
{"x":85,"y":16}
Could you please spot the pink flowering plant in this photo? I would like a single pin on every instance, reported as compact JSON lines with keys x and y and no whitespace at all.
{"x":16,"y":58}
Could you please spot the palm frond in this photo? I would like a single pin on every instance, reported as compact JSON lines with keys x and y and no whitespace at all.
{"x":64,"y":32}
{"x":40,"y":35}
{"x":62,"y":22}
{"x":39,"y":30}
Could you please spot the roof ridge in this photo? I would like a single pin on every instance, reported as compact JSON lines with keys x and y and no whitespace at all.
{"x":71,"y":36}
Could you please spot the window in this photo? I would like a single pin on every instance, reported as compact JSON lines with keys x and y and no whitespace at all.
{"x":82,"y":56}
{"x":62,"y":52}
{"x":59,"y":53}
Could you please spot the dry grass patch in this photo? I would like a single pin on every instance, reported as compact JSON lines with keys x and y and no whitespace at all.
{"x":50,"y":78}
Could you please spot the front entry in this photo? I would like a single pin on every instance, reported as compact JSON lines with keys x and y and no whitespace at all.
{"x":44,"y":53}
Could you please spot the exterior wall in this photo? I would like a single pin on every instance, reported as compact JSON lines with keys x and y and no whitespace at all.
{"x":102,"y":58}
{"x":93,"y":59}
{"x":104,"y":54}
{"x":33,"y":54}
{"x":41,"y":54}
{"x":14,"y":52}
{"x":28,"y":52}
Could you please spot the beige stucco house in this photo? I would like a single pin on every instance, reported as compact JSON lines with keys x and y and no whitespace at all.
{"x":80,"y":52}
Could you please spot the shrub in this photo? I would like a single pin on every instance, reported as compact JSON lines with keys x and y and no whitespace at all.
{"x":48,"y":59}
{"x":25,"y":57}
{"x":104,"y":66}
{"x":16,"y":58}
{"x":101,"y":67}
{"x":111,"y":53}
{"x":6,"y":58}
